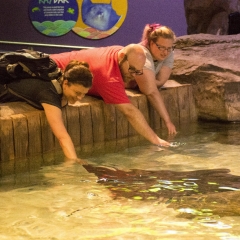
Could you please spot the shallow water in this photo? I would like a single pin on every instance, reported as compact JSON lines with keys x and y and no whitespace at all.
{"x":188,"y":191}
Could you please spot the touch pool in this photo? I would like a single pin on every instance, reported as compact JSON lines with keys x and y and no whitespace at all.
{"x":188,"y":191}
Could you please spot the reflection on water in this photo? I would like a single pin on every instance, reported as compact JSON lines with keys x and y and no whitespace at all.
{"x":187,"y":191}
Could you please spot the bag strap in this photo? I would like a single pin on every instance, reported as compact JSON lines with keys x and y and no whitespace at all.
{"x":57,"y":86}
{"x":26,"y":69}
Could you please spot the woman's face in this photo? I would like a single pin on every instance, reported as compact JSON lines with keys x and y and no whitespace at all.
{"x":161,"y":48}
{"x":73,"y":92}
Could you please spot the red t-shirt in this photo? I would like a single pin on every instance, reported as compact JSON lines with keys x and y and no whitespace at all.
{"x":103,"y":62}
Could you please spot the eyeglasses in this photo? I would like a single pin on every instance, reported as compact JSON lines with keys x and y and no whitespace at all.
{"x":133,"y":70}
{"x":162,"y":48}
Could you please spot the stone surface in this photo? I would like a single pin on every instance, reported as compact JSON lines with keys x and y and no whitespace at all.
{"x":209,"y":16}
{"x":211,"y":64}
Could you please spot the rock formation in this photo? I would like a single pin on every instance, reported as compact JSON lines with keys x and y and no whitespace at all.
{"x":209,"y":16}
{"x":211,"y":64}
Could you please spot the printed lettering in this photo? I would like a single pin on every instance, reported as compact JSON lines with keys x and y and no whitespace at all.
{"x":61,"y":1}
{"x":45,"y":1}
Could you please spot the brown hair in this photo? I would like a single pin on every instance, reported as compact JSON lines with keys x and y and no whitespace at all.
{"x":152,"y":32}
{"x":78,"y":73}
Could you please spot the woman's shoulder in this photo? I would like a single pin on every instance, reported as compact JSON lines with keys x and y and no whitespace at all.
{"x":149,"y":58}
{"x":145,"y":49}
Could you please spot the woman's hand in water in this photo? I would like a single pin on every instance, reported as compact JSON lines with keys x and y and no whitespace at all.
{"x":81,"y":161}
{"x":163,"y":143}
{"x":70,"y":161}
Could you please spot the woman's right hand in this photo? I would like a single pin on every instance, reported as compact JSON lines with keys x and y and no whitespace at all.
{"x":163,"y":143}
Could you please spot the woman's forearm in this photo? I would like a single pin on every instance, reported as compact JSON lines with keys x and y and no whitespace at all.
{"x":68,"y":147}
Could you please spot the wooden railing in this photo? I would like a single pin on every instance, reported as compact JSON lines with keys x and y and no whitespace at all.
{"x":24,"y":130}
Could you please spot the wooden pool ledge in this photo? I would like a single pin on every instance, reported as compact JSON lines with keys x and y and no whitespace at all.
{"x":24,"y":130}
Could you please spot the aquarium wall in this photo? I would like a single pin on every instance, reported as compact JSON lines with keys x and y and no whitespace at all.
{"x":84,"y":23}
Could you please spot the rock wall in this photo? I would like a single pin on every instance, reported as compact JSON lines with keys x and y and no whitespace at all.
{"x":209,"y":16}
{"x":211,"y":64}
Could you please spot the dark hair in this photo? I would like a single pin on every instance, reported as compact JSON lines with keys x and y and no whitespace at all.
{"x":78,"y":73}
{"x":153,"y":31}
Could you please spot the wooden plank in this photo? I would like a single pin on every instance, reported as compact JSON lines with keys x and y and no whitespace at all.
{"x":122,"y":125}
{"x":151,"y":115}
{"x":73,"y":124}
{"x":86,"y":124}
{"x":6,"y":139}
{"x":193,"y":115}
{"x":97,"y":121}
{"x":183,"y":103}
{"x":143,"y":106}
{"x":93,"y":122}
{"x":34,"y":132}
{"x":48,"y":138}
{"x":20,"y":130}
{"x":64,"y":116}
{"x":170,"y":98}
{"x":134,"y":100}
{"x":110,"y":126}
{"x":154,"y":118}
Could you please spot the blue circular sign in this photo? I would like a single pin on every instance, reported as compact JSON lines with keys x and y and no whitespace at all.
{"x":53,"y":17}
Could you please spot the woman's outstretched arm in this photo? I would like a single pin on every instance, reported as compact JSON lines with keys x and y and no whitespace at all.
{"x":55,"y":120}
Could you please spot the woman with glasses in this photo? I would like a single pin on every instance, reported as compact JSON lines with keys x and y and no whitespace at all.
{"x":157,"y":43}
